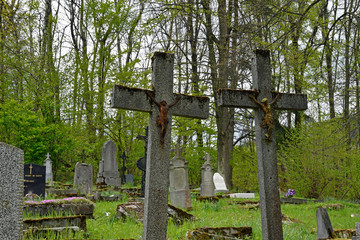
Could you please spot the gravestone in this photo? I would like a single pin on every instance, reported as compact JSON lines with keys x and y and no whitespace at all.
{"x":158,"y":158}
{"x":48,"y":170}
{"x":11,"y":192}
{"x":357,"y":231}
{"x":34,"y":179}
{"x":129,"y":179}
{"x":141,"y":162}
{"x":179,"y":181}
{"x":324,"y":228}
{"x":219,"y":183}
{"x":207,"y":187}
{"x":83,"y":178}
{"x":108,"y":168}
{"x":265,"y":141}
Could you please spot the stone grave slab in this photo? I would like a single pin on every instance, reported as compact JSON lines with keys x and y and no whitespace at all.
{"x":34,"y":179}
{"x":207,"y":188}
{"x":224,"y":233}
{"x":83,"y":178}
{"x":11,"y":192}
{"x":129,"y":179}
{"x":219,"y":183}
{"x":242,"y":195}
{"x":357,"y":231}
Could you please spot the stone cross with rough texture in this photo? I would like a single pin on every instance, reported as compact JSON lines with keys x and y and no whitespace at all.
{"x":266,"y":148}
{"x":158,"y":157}
{"x":11,"y":192}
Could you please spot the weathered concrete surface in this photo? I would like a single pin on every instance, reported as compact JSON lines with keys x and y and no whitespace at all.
{"x":11,"y":191}
{"x":286,"y":101}
{"x":158,"y":157}
{"x":136,"y":99}
{"x":266,"y":148}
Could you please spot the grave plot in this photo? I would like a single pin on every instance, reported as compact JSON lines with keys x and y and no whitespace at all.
{"x":219,"y":233}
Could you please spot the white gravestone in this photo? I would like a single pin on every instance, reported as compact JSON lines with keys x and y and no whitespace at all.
{"x":242,"y":195}
{"x":219,"y":183}
{"x":48,"y":170}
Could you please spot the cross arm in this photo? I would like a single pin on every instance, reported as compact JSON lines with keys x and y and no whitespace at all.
{"x":130,"y":99}
{"x":192,"y":106}
{"x":136,"y":99}
{"x":240,"y":98}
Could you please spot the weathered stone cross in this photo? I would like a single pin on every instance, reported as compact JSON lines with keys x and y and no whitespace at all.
{"x":158,"y":158}
{"x":266,"y":148}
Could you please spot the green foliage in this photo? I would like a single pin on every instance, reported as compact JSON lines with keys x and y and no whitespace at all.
{"x":244,"y":163}
{"x":317,"y":162}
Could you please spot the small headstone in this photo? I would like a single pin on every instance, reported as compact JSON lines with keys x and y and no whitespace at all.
{"x":108,"y":167}
{"x":48,"y":170}
{"x":242,"y":195}
{"x":34,"y":179}
{"x":129,"y":179}
{"x":11,"y":192}
{"x":219,"y":183}
{"x":357,"y":231}
{"x":83,"y":178}
{"x":207,"y":184}
{"x":179,"y":181}
{"x":324,"y":228}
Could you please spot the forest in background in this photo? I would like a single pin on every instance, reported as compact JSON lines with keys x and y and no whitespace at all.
{"x":59,"y":60}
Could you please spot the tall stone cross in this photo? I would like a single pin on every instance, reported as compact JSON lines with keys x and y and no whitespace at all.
{"x":265,"y":141}
{"x":158,"y":157}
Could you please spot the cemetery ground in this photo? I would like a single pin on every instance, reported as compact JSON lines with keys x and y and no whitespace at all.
{"x":299,"y":220}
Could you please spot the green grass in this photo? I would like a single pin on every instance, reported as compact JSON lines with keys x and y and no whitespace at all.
{"x":105,"y":225}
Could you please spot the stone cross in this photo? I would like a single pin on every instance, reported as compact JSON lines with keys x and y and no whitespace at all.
{"x":48,"y":170}
{"x":265,"y":141}
{"x":158,"y":157}
{"x":11,"y":192}
{"x":123,"y":168}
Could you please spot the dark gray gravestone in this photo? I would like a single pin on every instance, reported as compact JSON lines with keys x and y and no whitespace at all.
{"x":108,"y":168}
{"x":158,"y":158}
{"x":357,"y":232}
{"x":207,"y":184}
{"x":83,"y":178}
{"x":141,"y":162}
{"x":123,"y":168}
{"x":324,"y":228}
{"x":11,"y":192}
{"x":34,"y":179}
{"x":265,"y":141}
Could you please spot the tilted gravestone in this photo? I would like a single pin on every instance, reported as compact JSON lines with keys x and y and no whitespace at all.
{"x":11,"y":192}
{"x":324,"y":228}
{"x":207,"y":187}
{"x":83,"y":178}
{"x":179,"y":181}
{"x":265,"y":139}
{"x":108,"y":168}
{"x":219,"y":183}
{"x":48,"y":170}
{"x":161,"y":103}
{"x":34,"y":179}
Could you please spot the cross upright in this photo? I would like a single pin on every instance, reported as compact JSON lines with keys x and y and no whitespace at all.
{"x":265,"y":141}
{"x":123,"y":168}
{"x":158,"y":157}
